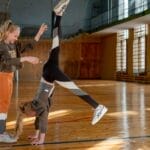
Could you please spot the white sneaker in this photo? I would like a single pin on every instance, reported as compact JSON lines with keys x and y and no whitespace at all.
{"x":6,"y":138}
{"x":98,"y":113}
{"x":61,"y":7}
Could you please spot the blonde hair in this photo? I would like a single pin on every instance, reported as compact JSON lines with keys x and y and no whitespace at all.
{"x":7,"y":26}
{"x":23,"y":109}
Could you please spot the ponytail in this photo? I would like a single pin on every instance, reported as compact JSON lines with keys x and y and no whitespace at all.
{"x":19,"y":123}
{"x":24,"y":109}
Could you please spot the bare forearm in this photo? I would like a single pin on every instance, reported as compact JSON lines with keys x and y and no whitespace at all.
{"x":30,"y":59}
{"x":42,"y":29}
{"x":37,"y":37}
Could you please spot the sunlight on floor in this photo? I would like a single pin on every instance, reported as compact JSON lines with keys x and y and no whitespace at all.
{"x":147,"y":109}
{"x":93,"y":85}
{"x":120,"y":114}
{"x":30,"y":120}
{"x":111,"y":143}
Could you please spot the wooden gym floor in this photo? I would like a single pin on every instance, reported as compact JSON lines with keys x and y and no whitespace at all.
{"x":126,"y":126}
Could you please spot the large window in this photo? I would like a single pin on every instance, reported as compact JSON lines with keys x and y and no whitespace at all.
{"x":121,"y":53}
{"x":140,"y":5}
{"x":139,"y":48}
{"x":123,"y":9}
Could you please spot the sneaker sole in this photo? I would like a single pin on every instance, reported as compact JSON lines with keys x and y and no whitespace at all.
{"x":58,"y":8}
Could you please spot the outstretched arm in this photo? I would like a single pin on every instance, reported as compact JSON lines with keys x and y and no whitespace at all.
{"x":30,"y":59}
{"x":41,"y":123}
{"x":42,"y":29}
{"x":23,"y":47}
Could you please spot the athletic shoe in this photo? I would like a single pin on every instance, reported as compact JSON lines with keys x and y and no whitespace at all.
{"x":98,"y":113}
{"x":6,"y":138}
{"x":61,"y":7}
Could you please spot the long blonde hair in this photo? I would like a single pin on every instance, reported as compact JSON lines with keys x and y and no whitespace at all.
{"x":7,"y":26}
{"x":23,"y":109}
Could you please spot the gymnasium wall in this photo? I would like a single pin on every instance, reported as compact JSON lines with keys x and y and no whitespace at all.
{"x":108,"y":59}
{"x":80,"y":58}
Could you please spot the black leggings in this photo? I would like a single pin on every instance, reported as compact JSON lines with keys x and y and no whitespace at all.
{"x":51,"y":71}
